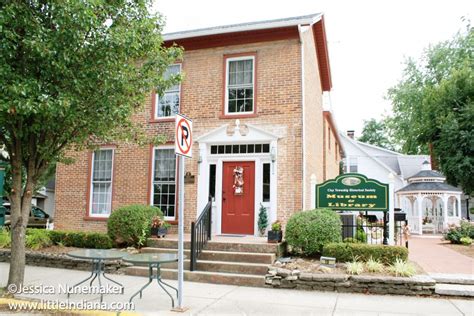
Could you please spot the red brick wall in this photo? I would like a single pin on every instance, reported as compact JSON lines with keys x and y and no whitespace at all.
{"x":278,"y":109}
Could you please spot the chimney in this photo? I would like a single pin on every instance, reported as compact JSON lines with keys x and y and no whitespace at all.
{"x":350,"y":134}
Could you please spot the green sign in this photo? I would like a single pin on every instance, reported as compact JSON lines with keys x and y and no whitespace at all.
{"x":352,"y":192}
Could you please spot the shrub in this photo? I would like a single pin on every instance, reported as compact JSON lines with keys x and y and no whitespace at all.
{"x":354,"y":267}
{"x":466,"y":241}
{"x":455,"y":233}
{"x":276,"y":226}
{"x":5,"y":238}
{"x":374,"y":265}
{"x":361,"y":235}
{"x":37,"y":239}
{"x":345,"y":252}
{"x":402,"y":268}
{"x":130,"y":225}
{"x":351,"y":240}
{"x":80,"y":239}
{"x":307,"y":232}
{"x":262,"y":220}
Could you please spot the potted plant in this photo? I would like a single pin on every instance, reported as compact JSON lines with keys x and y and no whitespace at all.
{"x":262,"y":220}
{"x":159,"y":227}
{"x":275,"y":235}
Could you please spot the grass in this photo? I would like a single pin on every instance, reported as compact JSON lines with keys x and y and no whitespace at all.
{"x":402,"y":268}
{"x":354,"y":267}
{"x":374,"y":266}
{"x":5,"y":238}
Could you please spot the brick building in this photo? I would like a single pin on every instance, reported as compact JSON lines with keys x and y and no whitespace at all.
{"x":255,"y":94}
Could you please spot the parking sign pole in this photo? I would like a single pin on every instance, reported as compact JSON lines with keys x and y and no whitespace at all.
{"x":183,"y":148}
{"x":180,"y":231}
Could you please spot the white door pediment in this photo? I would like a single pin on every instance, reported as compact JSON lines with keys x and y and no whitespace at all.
{"x":237,"y":134}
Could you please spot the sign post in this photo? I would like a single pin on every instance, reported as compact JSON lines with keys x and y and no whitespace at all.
{"x":183,"y":148}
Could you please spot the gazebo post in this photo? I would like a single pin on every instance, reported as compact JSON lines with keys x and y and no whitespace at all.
{"x":419,"y":201}
{"x":445,"y":211}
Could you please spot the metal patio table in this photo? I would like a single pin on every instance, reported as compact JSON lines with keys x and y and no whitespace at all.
{"x":97,"y":256}
{"x":153,"y":260}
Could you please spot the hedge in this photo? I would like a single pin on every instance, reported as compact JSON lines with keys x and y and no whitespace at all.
{"x":80,"y":239}
{"x":344,"y":252}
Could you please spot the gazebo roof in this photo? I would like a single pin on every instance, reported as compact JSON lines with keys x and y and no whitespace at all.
{"x":429,"y":186}
{"x":427,"y":174}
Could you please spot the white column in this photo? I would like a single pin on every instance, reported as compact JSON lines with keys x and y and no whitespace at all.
{"x":419,"y":200}
{"x":313,"y":191}
{"x":391,"y":210}
{"x":445,"y":211}
{"x":458,"y":209}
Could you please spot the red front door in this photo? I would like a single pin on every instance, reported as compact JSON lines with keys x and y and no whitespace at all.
{"x":238,"y":199}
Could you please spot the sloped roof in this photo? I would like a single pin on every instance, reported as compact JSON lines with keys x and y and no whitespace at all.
{"x":429,"y":186}
{"x":428,"y":174}
{"x":410,"y":164}
{"x":249,"y":26}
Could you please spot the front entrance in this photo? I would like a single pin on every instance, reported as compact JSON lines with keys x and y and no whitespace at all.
{"x":238,"y":197}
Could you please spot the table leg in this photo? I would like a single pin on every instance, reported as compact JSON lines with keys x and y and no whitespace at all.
{"x":164,"y":289}
{"x":93,"y":274}
{"x":176,"y":290}
{"x":150,"y":279}
{"x":106,"y":277}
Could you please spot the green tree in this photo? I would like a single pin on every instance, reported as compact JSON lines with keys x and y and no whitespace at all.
{"x":433,"y":107}
{"x":375,"y":133}
{"x":72,"y":74}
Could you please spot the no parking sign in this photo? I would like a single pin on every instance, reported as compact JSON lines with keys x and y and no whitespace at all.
{"x":183,"y":136}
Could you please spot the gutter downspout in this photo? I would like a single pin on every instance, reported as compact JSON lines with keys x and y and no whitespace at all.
{"x":300,"y":31}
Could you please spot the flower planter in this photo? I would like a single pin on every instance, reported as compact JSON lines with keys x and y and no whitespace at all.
{"x":275,"y":236}
{"x":154,"y":231}
{"x":162,"y":231}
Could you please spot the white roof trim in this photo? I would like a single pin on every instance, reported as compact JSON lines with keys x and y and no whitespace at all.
{"x":294,"y":21}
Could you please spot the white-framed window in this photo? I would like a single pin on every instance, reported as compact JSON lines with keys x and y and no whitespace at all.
{"x":168,"y":104}
{"x":101,"y":183}
{"x":163,"y":193}
{"x":240,"y":79}
{"x":353,"y":164}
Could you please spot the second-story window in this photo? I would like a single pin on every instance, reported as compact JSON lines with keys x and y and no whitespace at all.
{"x":240,"y":85}
{"x":168,"y":104}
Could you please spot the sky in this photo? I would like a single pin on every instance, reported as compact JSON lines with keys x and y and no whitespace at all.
{"x":368,"y":40}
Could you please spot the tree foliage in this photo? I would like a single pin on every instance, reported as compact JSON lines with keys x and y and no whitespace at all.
{"x":72,"y":74}
{"x":433,"y":105}
{"x":376,"y":133}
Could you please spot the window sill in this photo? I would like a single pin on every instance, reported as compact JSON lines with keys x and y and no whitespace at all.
{"x":98,"y":219}
{"x":237,"y":116}
{"x":164,"y":119}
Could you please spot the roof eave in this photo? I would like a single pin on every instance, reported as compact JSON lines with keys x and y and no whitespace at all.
{"x":310,"y":19}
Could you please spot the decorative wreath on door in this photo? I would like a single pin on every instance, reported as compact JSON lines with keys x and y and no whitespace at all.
{"x":238,"y":180}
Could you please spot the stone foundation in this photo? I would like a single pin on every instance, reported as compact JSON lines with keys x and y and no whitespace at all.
{"x":287,"y":279}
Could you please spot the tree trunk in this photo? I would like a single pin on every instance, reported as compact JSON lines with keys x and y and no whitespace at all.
{"x":433,"y":161}
{"x":20,"y":212}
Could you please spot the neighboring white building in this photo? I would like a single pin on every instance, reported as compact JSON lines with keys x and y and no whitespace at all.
{"x":377,"y":163}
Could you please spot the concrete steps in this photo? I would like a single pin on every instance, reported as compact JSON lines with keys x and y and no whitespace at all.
{"x":454,"y":289}
{"x":233,"y":263}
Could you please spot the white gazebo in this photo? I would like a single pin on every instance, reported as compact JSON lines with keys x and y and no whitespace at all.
{"x":430,"y":203}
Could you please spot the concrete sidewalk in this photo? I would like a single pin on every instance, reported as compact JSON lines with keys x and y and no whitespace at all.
{"x":212,"y":299}
{"x":433,"y":257}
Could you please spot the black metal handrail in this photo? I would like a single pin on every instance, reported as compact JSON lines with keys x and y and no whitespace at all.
{"x":200,"y":234}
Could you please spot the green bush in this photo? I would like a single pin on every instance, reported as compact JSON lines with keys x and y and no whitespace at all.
{"x":466,"y":241}
{"x":345,"y":252}
{"x":130,"y":225}
{"x":351,"y":240}
{"x":80,"y":239}
{"x":455,"y":233}
{"x":309,"y":231}
{"x":361,"y":235}
{"x":37,"y":239}
{"x":5,"y":238}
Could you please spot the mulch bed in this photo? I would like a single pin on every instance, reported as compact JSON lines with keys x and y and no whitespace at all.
{"x":462,"y":249}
